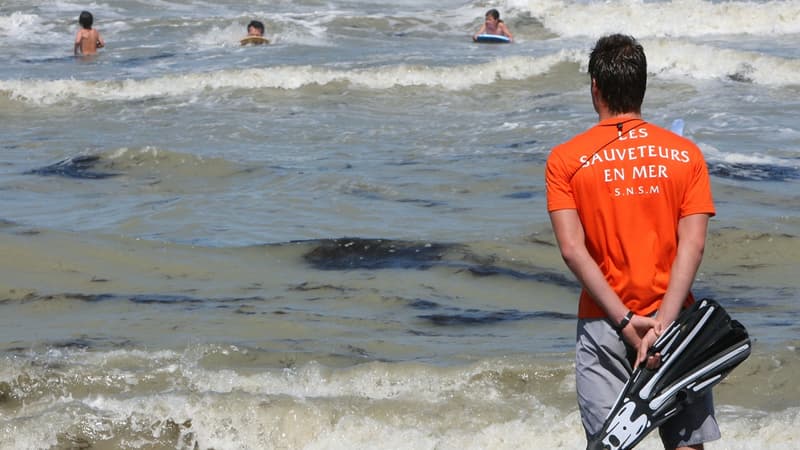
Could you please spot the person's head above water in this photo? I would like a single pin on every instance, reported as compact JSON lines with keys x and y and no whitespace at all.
{"x":86,"y":20}
{"x":255,"y":28}
{"x":494,"y":14}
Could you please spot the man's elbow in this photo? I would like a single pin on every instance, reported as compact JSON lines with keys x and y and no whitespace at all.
{"x":569,"y":253}
{"x":696,"y":247}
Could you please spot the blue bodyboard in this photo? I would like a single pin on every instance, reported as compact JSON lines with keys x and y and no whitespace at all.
{"x":492,"y":39}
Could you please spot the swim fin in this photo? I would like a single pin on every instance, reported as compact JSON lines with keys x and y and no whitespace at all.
{"x":697,"y":351}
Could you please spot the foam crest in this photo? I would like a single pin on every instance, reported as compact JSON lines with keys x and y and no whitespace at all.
{"x":284,"y":77}
{"x":21,"y":27}
{"x":674,"y":18}
{"x":216,"y":36}
{"x":233,"y":421}
{"x":377,"y":381}
{"x":18,"y":22}
{"x":715,"y":155}
{"x":168,"y":399}
{"x":74,"y":8}
{"x":670,"y":59}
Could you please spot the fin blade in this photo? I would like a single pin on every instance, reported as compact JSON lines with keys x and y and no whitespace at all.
{"x":701,"y":347}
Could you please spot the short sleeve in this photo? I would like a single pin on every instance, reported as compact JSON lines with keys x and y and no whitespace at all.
{"x":698,"y":198}
{"x":557,"y":184}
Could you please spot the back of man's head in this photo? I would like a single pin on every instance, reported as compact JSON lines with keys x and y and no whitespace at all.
{"x":618,"y":67}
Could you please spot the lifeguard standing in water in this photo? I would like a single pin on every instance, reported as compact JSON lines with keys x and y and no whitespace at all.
{"x":87,"y":39}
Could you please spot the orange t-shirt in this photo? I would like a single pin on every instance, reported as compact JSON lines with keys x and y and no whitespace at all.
{"x":630,"y":188}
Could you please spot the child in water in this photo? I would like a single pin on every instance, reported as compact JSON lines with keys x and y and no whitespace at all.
{"x":493,"y":25}
{"x":87,"y":39}
{"x":255,"y":34}
{"x":255,"y":28}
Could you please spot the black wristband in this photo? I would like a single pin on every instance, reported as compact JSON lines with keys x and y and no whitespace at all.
{"x":624,"y":322}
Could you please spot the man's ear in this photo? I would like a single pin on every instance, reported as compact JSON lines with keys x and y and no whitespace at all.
{"x":597,"y":99}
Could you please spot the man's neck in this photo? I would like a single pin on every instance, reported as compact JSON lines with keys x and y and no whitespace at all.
{"x":605,"y":115}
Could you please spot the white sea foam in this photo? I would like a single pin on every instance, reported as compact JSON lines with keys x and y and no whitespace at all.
{"x":20,"y":27}
{"x":285,"y":77}
{"x":369,"y":406}
{"x":713,"y":154}
{"x":219,"y":36}
{"x":668,"y":59}
{"x":671,"y":18}
{"x":675,"y":59}
{"x":224,"y":422}
{"x":376,"y":381}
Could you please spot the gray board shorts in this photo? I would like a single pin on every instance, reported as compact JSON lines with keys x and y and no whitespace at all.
{"x":602,"y":367}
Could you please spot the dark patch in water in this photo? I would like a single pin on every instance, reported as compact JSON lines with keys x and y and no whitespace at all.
{"x":180,"y":299}
{"x":478,"y":317}
{"x":522,"y":144}
{"x":537,"y":158}
{"x":75,"y":167}
{"x":143,"y":299}
{"x":535,"y":240}
{"x":306,"y":287}
{"x":555,"y":278}
{"x":753,"y":266}
{"x":520,"y":195}
{"x":740,"y":77}
{"x":743,"y":73}
{"x":142,"y":59}
{"x":163,"y":299}
{"x":357,"y":253}
{"x":403,"y":163}
{"x":358,"y":351}
{"x":754,"y":172}
{"x":85,"y":342}
{"x":423,"y":304}
{"x":75,"y":344}
{"x":246,"y":310}
{"x":424,"y":333}
{"x":84,"y":297}
{"x":366,"y":194}
{"x":424,"y":203}
{"x":47,"y":60}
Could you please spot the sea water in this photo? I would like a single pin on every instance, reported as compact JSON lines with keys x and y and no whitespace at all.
{"x":340,"y":240}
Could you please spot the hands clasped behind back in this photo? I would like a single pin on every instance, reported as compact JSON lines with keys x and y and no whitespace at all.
{"x":641,"y":333}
